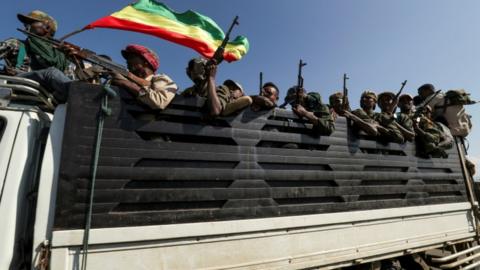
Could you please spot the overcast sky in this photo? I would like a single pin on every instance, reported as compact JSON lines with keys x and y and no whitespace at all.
{"x":378,"y":43}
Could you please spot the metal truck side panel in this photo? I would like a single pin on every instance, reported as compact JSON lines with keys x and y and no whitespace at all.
{"x":19,"y":181}
{"x":325,"y":240}
{"x":48,"y":181}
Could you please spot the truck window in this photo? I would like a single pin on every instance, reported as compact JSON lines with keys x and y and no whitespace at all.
{"x":3,"y":124}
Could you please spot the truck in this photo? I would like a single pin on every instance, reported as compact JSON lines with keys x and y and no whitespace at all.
{"x":102,"y":182}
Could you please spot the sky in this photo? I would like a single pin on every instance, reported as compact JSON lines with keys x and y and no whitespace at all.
{"x":379,"y":44}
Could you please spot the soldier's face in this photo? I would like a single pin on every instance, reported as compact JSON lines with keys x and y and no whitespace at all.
{"x":37,"y":28}
{"x":137,"y":65}
{"x":337,"y":104}
{"x":425,"y":93}
{"x":196,"y":72}
{"x":270,"y":93}
{"x":368,"y":102}
{"x":406,"y":105}
{"x":386,"y":103}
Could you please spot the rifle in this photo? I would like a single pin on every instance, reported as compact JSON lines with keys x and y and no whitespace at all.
{"x":301,"y":64}
{"x":420,"y":109}
{"x":261,"y":82}
{"x":397,"y":96}
{"x":92,"y":57}
{"x":218,"y":55}
{"x":346,"y":105}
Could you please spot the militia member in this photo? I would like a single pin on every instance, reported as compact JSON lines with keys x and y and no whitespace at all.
{"x":48,"y":63}
{"x":15,"y":57}
{"x":267,"y":99}
{"x":424,"y":93}
{"x":388,"y":130}
{"x":336,"y":104}
{"x":203,"y":76}
{"x":310,"y":106}
{"x":359,"y":117}
{"x":433,"y":138}
{"x":404,"y":118}
{"x":154,"y":90}
{"x":238,"y":100}
{"x":364,"y":118}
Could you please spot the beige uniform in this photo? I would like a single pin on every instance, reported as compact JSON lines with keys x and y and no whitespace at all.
{"x":160,"y":92}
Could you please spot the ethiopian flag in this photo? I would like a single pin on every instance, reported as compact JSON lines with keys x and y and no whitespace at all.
{"x":189,"y":29}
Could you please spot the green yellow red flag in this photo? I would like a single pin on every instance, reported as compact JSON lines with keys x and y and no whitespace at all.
{"x":189,"y":29}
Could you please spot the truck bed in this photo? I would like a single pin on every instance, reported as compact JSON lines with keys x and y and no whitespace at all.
{"x":258,"y":190}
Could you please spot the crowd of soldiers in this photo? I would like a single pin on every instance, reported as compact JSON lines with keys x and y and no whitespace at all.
{"x":45,"y":63}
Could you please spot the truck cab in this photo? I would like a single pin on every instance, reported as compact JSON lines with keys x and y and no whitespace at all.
{"x":177,"y":190}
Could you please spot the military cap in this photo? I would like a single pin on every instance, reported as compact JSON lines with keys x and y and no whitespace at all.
{"x":150,"y":56}
{"x":370,"y":94}
{"x":229,"y":83}
{"x":334,"y":96}
{"x":39,"y":16}
{"x":427,"y":86}
{"x":271,"y":84}
{"x":387,"y":93}
{"x":405,"y":96}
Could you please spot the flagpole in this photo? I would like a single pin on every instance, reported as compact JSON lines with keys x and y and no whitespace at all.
{"x":72,"y":34}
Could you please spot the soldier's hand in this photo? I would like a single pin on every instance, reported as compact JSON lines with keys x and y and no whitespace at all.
{"x":345,"y":113}
{"x":212,"y":70}
{"x":9,"y":71}
{"x":299,"y":110}
{"x":69,"y":49}
{"x":381,"y":129}
{"x":117,"y":76}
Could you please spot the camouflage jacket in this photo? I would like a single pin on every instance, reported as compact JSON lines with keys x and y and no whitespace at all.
{"x":14,"y":54}
{"x":313,"y":103}
{"x":223,"y":93}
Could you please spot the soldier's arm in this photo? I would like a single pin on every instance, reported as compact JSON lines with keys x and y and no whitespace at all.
{"x":369,"y":128}
{"x":213,"y":100}
{"x":159,"y":94}
{"x":408,"y":134}
{"x":263,"y":102}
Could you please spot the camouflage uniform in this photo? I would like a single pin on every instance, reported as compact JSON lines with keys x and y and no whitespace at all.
{"x":393,"y":134}
{"x":15,"y":55}
{"x":369,"y":117}
{"x":235,"y":103}
{"x":405,"y":120}
{"x":313,"y":103}
{"x":435,"y":138}
{"x":223,"y":94}
{"x":362,"y":114}
{"x":387,"y":120}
